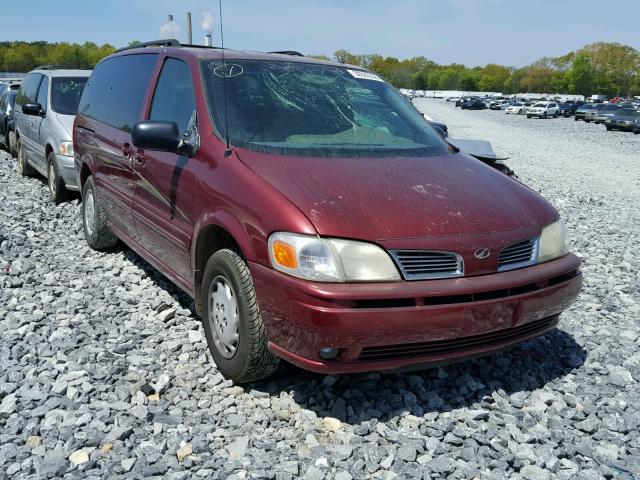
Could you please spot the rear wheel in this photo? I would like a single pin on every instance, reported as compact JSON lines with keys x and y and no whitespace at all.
{"x":231,"y":319}
{"x":57,"y":187}
{"x":94,"y":219}
{"x":24,"y":169}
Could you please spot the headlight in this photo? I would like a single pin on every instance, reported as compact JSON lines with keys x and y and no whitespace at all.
{"x":66,"y":149}
{"x":330,"y":259}
{"x":553,"y":242}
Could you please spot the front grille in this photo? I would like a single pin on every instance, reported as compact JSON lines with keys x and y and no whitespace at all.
{"x":452,"y":345}
{"x":518,"y":255}
{"x":427,"y":264}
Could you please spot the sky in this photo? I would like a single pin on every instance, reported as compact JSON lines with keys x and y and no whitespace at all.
{"x":471,"y":32}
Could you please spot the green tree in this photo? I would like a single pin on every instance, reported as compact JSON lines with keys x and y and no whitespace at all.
{"x":581,"y":75}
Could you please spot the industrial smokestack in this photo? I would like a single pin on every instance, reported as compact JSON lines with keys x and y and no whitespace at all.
{"x":169,"y":29}
{"x":207,"y":27}
{"x":189,"y":31}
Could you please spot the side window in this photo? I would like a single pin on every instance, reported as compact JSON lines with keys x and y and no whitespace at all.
{"x":43,"y":93}
{"x":3,"y":103}
{"x":29,"y":89}
{"x":115,"y":91}
{"x":173,"y":99}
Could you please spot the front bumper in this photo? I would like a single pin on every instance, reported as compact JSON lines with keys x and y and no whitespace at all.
{"x":388,"y":326}
{"x":68,"y":172}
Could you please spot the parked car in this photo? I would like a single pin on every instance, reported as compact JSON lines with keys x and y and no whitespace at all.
{"x":46,"y":106}
{"x":571,"y":109}
{"x":601,"y":112}
{"x":517,"y":108}
{"x":244,"y":196}
{"x":623,"y":119}
{"x":473,"y":104}
{"x":543,"y":110}
{"x":583,"y":110}
{"x":564,"y":108}
{"x":499,"y":105}
{"x":7,"y":122}
{"x":461,"y":100}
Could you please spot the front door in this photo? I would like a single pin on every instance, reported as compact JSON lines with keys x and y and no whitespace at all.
{"x":162,"y":204}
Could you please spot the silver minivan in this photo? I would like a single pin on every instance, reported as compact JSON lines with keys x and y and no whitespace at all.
{"x":46,"y":107}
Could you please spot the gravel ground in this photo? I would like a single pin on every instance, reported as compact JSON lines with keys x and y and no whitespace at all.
{"x":105,"y":371}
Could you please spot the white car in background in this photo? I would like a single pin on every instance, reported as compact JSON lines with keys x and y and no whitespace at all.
{"x":517,"y":108}
{"x":543,"y":110}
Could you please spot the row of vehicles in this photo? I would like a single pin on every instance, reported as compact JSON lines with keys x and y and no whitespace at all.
{"x":623,"y":115}
{"x":306,"y":206}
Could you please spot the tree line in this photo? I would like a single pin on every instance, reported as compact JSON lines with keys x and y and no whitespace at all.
{"x":599,"y":68}
{"x":25,"y":56}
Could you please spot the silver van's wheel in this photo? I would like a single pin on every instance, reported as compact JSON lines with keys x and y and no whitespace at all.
{"x":57,"y":188}
{"x":231,"y":320}
{"x":94,"y":219}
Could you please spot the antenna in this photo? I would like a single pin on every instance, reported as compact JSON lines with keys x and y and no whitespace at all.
{"x":227,"y":152}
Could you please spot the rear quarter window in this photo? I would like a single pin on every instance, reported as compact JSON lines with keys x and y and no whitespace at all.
{"x":116,"y":89}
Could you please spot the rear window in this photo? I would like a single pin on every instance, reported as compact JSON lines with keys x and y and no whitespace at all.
{"x":115,"y":91}
{"x":308,"y":109}
{"x":66,"y":93}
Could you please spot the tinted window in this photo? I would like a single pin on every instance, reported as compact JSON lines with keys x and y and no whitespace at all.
{"x":296,"y":108}
{"x":115,"y":91}
{"x":3,"y":103}
{"x":29,"y":89}
{"x":66,"y":93}
{"x":43,"y":93}
{"x":173,"y":99}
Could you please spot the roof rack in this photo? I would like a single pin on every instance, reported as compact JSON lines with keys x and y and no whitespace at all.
{"x":60,"y":67}
{"x":170,"y":42}
{"x":289,"y":52}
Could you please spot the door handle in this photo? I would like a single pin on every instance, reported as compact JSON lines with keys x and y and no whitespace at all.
{"x":140,"y":157}
{"x":127,"y":150}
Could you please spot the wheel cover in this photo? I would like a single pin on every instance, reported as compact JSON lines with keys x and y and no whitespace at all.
{"x":89,"y":212}
{"x":52,"y":179}
{"x":223,"y":317}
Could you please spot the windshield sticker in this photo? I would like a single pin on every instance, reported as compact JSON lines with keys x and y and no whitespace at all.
{"x":227,"y":70}
{"x":364,"y":75}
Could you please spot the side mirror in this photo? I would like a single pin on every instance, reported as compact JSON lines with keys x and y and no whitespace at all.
{"x":156,"y":135}
{"x":33,"y":109}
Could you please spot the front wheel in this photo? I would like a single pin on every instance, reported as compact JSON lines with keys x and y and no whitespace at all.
{"x":24,"y":169}
{"x":94,"y":219}
{"x":231,"y":319}
{"x":529,"y":116}
{"x":57,"y":187}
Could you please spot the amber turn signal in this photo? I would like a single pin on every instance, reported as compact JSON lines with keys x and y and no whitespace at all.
{"x":284,"y":254}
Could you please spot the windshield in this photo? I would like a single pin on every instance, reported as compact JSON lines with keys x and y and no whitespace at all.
{"x":543,"y":105}
{"x":65,"y":94}
{"x":295,"y":108}
{"x":608,"y":107}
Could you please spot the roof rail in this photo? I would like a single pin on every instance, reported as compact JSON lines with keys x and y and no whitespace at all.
{"x":289,"y":52}
{"x":170,"y":42}
{"x":60,"y":67}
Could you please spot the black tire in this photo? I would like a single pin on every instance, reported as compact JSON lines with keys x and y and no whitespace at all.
{"x":636,"y":131}
{"x":251,"y":360}
{"x":98,"y":235}
{"x":529,"y":116}
{"x":24,"y":169}
{"x":608,"y":127}
{"x":576,"y":118}
{"x":544,"y":115}
{"x":57,"y":187}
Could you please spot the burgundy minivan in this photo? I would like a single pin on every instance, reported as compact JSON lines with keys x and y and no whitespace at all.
{"x":312,"y":213}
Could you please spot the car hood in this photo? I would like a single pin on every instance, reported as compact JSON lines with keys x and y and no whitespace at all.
{"x":391,"y":198}
{"x":66,"y":121}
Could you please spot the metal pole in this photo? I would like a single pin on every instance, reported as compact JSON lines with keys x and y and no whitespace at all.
{"x":189,"y":32}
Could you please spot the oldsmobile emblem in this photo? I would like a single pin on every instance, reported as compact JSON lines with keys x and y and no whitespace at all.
{"x":482,"y":253}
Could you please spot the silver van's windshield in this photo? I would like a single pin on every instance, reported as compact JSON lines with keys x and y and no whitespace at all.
{"x":66,"y":93}
{"x":295,"y":108}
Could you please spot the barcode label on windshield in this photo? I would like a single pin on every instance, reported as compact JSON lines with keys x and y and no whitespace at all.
{"x":365,"y":75}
